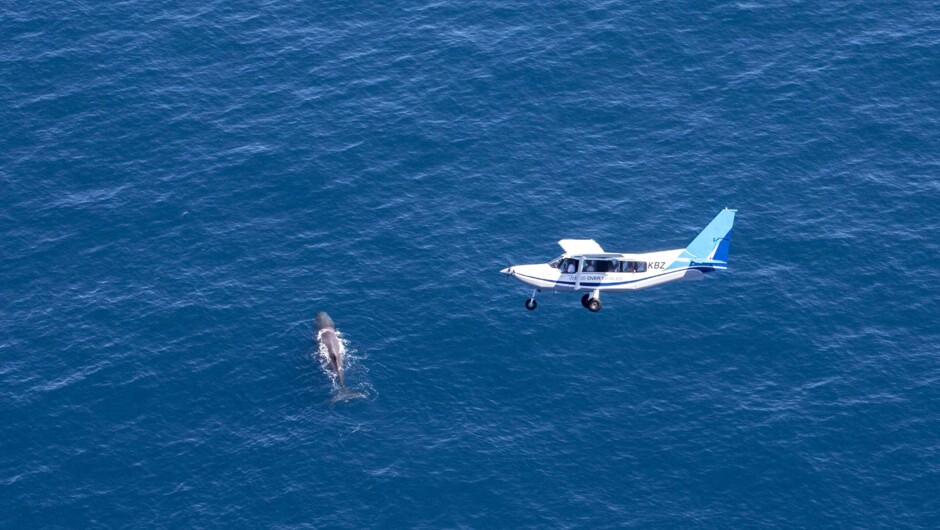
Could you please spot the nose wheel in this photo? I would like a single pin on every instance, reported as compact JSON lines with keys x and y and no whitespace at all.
{"x":531,"y":304}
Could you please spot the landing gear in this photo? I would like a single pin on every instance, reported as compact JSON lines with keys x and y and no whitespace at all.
{"x":531,"y":304}
{"x":592,"y":301}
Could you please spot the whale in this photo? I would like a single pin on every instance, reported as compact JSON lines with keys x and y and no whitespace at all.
{"x":331,"y":346}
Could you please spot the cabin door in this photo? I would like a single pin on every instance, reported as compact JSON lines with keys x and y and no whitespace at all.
{"x":577,"y":276}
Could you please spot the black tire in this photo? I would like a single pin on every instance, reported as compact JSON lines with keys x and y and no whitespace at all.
{"x":584,"y":300}
{"x":594,"y":305}
{"x":531,"y":304}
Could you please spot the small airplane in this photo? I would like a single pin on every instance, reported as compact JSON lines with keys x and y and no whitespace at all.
{"x":586,"y":267}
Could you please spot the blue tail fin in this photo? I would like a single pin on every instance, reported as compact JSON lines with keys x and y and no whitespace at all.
{"x":713,"y":243}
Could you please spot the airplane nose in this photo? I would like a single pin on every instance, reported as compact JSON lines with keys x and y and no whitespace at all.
{"x":508,"y":270}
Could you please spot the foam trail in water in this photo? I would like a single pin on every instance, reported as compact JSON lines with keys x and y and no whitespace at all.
{"x":350,"y":365}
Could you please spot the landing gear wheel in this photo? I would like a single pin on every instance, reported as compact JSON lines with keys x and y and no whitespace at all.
{"x":584,"y":300}
{"x":531,"y":304}
{"x":594,"y":305}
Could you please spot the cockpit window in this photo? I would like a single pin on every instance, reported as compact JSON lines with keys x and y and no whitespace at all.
{"x":555,"y":263}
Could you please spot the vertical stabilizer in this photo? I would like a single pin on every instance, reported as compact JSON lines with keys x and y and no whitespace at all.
{"x":714,"y":242}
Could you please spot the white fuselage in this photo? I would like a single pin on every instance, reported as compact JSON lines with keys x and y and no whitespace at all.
{"x":660,"y":267}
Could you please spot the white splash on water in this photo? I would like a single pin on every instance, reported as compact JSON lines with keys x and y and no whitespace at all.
{"x":351,"y":367}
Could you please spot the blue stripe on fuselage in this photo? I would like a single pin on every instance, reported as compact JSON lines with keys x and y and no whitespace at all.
{"x":601,"y":284}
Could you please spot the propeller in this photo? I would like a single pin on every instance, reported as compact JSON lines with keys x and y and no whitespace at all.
{"x":507,"y":270}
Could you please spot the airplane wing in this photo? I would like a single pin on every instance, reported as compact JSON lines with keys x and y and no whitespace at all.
{"x":580,"y":246}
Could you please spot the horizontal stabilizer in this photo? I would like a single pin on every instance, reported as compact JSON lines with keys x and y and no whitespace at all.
{"x":709,"y":262}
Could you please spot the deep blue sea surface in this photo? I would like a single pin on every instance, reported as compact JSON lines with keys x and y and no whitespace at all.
{"x":183,"y":185}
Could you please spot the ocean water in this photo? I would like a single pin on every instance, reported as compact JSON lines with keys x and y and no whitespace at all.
{"x":183,"y":185}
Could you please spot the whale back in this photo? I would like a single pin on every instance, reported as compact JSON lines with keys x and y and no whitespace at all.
{"x":324,"y":321}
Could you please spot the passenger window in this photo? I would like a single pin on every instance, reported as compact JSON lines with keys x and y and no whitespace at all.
{"x":612,"y":266}
{"x":641,"y":266}
{"x":590,"y":266}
